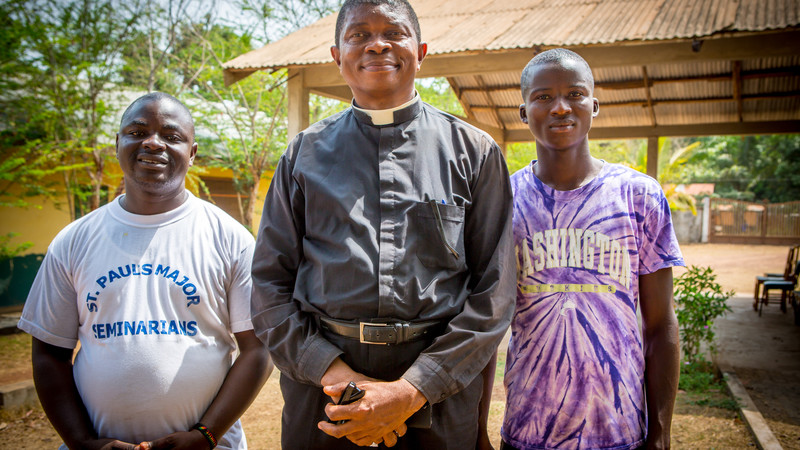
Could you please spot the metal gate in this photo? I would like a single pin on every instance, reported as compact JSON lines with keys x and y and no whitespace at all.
{"x":737,"y":222}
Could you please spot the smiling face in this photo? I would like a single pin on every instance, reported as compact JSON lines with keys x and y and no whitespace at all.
{"x":379,"y":55}
{"x":155,"y":148}
{"x":559,"y":106}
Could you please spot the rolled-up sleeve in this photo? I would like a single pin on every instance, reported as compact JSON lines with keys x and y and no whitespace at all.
{"x":472,"y":336}
{"x":290,"y":334}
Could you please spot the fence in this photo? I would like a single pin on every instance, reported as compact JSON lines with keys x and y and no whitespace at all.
{"x":738,"y":222}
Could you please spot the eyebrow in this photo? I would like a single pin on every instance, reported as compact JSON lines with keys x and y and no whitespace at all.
{"x":395,"y":24}
{"x":166,"y":126}
{"x":548,"y":88}
{"x":172,"y":126}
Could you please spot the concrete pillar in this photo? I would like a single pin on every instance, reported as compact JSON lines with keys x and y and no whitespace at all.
{"x":706,"y":219}
{"x":652,"y":156}
{"x":298,"y":103}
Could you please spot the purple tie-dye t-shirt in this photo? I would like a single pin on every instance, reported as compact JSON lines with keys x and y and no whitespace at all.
{"x":575,"y":368}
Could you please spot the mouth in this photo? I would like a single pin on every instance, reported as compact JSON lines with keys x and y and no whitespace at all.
{"x":380,"y":66}
{"x":151,"y":160}
{"x":562,"y":126}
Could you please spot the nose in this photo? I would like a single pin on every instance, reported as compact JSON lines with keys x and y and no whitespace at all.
{"x":560,"y":107}
{"x":154,"y":142}
{"x":378,"y":44}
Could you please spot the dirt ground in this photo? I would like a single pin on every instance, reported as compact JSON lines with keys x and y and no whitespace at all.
{"x":694,"y":426}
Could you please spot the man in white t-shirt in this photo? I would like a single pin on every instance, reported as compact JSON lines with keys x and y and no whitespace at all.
{"x":156,"y":288}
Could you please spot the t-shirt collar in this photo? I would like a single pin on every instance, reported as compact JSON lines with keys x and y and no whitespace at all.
{"x":152,"y":220}
{"x":382,"y":117}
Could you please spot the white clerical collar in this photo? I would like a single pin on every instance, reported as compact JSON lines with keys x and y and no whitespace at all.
{"x":386,"y":116}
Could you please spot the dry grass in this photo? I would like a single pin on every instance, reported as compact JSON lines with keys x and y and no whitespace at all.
{"x":694,"y":426}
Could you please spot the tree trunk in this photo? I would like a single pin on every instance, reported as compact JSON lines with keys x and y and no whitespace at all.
{"x":252,"y":199}
{"x":97,"y":181}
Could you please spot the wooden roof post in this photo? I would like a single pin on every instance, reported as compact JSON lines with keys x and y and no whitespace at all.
{"x":652,"y":156}
{"x":298,"y":103}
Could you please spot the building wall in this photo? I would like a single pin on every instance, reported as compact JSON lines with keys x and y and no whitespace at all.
{"x":41,"y":222}
{"x":688,"y":227}
{"x":38,"y":224}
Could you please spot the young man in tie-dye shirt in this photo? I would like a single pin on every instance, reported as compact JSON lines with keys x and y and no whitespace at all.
{"x":594,"y":241}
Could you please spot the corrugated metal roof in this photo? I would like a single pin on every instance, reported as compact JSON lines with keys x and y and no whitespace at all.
{"x":451,"y":26}
{"x":767,"y":14}
{"x":686,"y":91}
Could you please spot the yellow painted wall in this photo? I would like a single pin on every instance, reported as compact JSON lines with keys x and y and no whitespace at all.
{"x":262,"y":193}
{"x":40,"y":226}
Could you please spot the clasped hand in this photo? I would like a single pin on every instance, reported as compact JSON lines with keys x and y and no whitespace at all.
{"x":182,"y":440}
{"x":378,"y":416}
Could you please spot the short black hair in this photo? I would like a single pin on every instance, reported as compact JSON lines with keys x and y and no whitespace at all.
{"x":401,"y":5}
{"x":556,"y":55}
{"x":157,"y":96}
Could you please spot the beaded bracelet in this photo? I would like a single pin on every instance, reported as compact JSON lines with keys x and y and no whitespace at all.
{"x":212,"y":442}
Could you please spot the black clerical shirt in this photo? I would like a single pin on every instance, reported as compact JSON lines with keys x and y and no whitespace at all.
{"x":407,"y":221}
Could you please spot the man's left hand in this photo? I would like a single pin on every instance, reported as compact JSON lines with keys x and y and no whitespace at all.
{"x":379,"y":416}
{"x":182,"y":440}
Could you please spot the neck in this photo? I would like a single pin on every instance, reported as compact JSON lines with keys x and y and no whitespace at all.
{"x":391,"y":100}
{"x":566,"y":170}
{"x":144,"y":203}
{"x":384,"y":116}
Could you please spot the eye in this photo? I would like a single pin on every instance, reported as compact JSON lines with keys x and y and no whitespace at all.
{"x":136,"y":133}
{"x":576,"y":94}
{"x":357,"y":36}
{"x":172,"y":138}
{"x":542,"y":97}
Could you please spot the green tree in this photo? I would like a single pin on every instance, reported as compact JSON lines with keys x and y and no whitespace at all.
{"x":72,"y":49}
{"x":247,"y":119}
{"x":438,"y":93}
{"x":157,"y":32}
{"x":750,"y":167}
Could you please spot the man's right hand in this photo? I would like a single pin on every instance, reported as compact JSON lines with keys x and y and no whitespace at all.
{"x":108,"y":444}
{"x":377,"y":416}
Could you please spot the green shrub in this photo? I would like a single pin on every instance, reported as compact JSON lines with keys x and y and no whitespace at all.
{"x":696,"y":376}
{"x":699,"y":300}
{"x":9,"y":251}
{"x":703,"y":387}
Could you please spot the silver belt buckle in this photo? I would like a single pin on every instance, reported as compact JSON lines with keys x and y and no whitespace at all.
{"x":361,"y":326}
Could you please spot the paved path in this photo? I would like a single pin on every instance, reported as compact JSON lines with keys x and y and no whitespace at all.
{"x":770,"y":342}
{"x":764,"y":352}
{"x":8,"y":323}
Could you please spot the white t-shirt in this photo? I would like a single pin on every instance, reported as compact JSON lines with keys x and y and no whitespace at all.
{"x":154,"y":301}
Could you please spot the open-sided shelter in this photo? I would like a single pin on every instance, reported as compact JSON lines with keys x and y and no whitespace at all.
{"x":662,"y":67}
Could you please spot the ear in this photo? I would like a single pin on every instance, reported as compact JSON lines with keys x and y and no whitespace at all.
{"x":595,"y":107}
{"x":422,"y":51}
{"x":523,"y":113}
{"x":193,"y":154}
{"x":337,"y":57}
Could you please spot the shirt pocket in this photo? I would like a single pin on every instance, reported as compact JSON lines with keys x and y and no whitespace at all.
{"x":439,"y":234}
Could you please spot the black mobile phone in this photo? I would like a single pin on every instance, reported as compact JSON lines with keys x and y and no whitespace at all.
{"x":351,"y":394}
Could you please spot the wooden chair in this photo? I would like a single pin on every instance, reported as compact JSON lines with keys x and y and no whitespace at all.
{"x":791,"y":261}
{"x":787,"y":288}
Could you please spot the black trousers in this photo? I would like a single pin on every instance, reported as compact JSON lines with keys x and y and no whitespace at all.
{"x":455,"y":420}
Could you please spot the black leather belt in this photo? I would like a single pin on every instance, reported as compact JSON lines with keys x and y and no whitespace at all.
{"x":381,"y":333}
